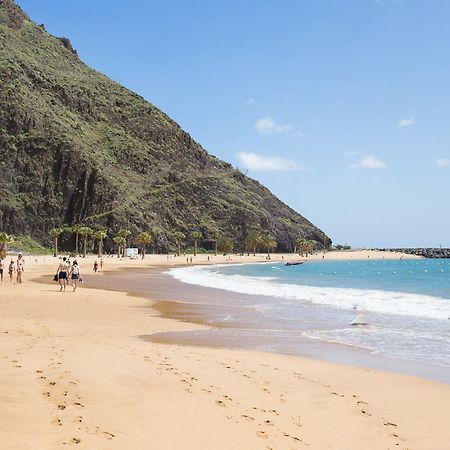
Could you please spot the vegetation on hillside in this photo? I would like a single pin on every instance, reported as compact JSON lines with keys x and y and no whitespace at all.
{"x":79,"y":150}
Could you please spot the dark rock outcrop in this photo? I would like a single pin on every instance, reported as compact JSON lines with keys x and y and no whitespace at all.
{"x":424,"y":252}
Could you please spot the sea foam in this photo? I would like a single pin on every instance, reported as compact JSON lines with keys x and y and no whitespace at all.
{"x":378,"y":301}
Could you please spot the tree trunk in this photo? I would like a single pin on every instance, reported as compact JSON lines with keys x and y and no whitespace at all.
{"x":215,"y":249}
{"x":195,"y":248}
{"x":76,"y":244}
{"x":84,"y":246}
{"x":56,"y":245}
{"x":179,"y":248}
{"x":143,"y":251}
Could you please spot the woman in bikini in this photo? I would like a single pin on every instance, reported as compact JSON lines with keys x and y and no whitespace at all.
{"x":75,"y":275}
{"x":19,"y":268}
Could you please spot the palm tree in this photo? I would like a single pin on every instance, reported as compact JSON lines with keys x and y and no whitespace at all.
{"x":119,"y":241}
{"x":301,"y":246}
{"x":5,"y":240}
{"x":124,"y":233}
{"x":99,"y":236}
{"x":144,"y":239}
{"x":179,"y":236}
{"x":225,"y":245}
{"x":269,"y":243}
{"x":56,"y":232}
{"x":196,"y":236}
{"x":76,"y":229}
{"x":252,"y":241}
{"x":310,"y":245}
{"x":85,"y":232}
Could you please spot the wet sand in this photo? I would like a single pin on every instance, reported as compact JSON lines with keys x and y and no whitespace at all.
{"x":207,"y":307}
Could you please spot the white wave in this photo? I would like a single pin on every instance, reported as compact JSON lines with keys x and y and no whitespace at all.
{"x":388,"y":302}
{"x":429,"y":347}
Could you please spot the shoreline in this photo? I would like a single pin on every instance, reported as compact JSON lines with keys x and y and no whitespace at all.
{"x":74,"y":374}
{"x":214,"y":333}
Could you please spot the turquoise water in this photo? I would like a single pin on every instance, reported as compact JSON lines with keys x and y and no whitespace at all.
{"x":404,"y":305}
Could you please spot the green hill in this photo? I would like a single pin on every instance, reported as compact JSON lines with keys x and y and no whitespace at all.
{"x":76,"y":147}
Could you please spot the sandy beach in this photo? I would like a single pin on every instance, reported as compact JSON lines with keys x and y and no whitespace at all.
{"x":75,"y":373}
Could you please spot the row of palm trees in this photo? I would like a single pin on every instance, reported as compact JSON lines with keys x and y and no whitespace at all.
{"x":305,"y":246}
{"x":254,"y":241}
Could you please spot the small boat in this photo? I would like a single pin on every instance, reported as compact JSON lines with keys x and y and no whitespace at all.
{"x":293,"y":263}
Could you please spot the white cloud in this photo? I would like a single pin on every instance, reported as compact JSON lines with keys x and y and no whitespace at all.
{"x":268,"y":126}
{"x":406,"y":122}
{"x":443,"y":162}
{"x":253,"y":161}
{"x":250,"y":101}
{"x":368,"y":162}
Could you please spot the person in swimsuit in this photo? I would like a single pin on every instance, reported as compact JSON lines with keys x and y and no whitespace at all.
{"x":11,"y":270}
{"x":19,"y":269}
{"x":62,"y":274}
{"x":95,"y":267}
{"x":2,"y":266}
{"x":75,"y":275}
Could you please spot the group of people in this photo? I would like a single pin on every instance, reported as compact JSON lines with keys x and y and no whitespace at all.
{"x":14,"y":268}
{"x":66,"y":272}
{"x":70,"y":273}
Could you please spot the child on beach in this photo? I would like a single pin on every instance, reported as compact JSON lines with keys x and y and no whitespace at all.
{"x":75,"y":275}
{"x":62,"y":274}
{"x":11,"y":270}
{"x":20,"y":268}
{"x":2,"y":266}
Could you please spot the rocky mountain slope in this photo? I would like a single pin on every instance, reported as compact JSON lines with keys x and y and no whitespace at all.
{"x":76,"y":147}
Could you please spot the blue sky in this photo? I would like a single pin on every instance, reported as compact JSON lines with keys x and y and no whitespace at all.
{"x":340,"y":107}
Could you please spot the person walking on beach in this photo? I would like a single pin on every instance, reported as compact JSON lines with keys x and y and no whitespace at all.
{"x":11,"y":270}
{"x":62,"y":274}
{"x":2,"y":266}
{"x":95,"y":266}
{"x":19,"y":269}
{"x":75,"y":275}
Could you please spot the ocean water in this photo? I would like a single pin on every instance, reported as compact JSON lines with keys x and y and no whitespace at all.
{"x":404,"y":304}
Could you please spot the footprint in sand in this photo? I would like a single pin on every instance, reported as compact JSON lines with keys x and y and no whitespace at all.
{"x":262,"y":434}
{"x":108,"y":435}
{"x":220,"y":403}
{"x":57,"y":422}
{"x":249,"y":418}
{"x":75,"y":440}
{"x":297,"y":421}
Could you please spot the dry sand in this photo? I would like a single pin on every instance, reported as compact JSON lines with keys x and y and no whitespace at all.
{"x":73,"y":373}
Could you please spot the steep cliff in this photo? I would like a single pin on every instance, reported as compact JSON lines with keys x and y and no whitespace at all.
{"x":76,"y":147}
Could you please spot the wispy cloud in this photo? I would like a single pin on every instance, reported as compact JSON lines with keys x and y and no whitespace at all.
{"x":267,"y":126}
{"x":253,"y":161}
{"x":250,"y":101}
{"x":443,"y":162}
{"x":368,"y":162}
{"x":406,"y":122}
